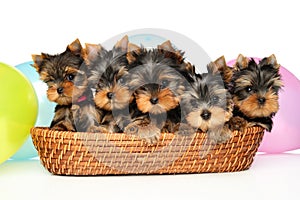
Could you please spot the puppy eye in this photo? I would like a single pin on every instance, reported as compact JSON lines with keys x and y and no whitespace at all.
{"x":100,"y":85}
{"x":121,"y":81}
{"x":215,"y":99}
{"x":164,"y":84}
{"x":70,"y":77}
{"x":143,"y":88}
{"x":249,"y":89}
{"x":275,"y":88}
{"x":194,"y":103}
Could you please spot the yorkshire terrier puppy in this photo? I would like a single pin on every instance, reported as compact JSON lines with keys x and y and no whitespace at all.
{"x":108,"y":76}
{"x":255,"y":92}
{"x":208,"y":105}
{"x":86,"y":116}
{"x":58,"y":72}
{"x":157,"y":78}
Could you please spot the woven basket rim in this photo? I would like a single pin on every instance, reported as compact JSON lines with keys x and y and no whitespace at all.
{"x":84,"y":153}
{"x":73,"y":133}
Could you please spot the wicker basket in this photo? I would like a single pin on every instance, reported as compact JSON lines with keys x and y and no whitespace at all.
{"x":75,"y":153}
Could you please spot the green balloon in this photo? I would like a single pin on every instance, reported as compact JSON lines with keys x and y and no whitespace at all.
{"x":18,"y":110}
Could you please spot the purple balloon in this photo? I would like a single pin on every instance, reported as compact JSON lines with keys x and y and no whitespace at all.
{"x":285,"y":135}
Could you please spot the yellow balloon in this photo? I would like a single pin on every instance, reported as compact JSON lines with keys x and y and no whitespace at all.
{"x":18,"y":110}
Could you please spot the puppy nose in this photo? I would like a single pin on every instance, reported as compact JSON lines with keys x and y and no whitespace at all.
{"x":110,"y":95}
{"x":154,"y":100}
{"x":205,"y":115}
{"x":60,"y":90}
{"x":261,"y":100}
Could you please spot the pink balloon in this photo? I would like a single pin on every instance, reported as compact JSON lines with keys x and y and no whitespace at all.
{"x":285,"y":135}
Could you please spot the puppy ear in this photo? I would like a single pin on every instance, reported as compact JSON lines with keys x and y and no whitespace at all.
{"x":91,"y":52}
{"x":221,"y":63}
{"x":241,"y":62}
{"x":225,"y":70}
{"x":132,"y":51}
{"x":271,"y":60}
{"x":170,"y":52}
{"x":38,"y":60}
{"x":122,"y":44}
{"x":75,"y":47}
{"x":167,"y":46}
{"x":212,"y":68}
{"x":133,"y":47}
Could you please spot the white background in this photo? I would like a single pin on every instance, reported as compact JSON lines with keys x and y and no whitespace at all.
{"x":253,"y":28}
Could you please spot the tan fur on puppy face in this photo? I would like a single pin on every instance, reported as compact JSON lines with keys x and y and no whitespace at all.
{"x":166,"y":101}
{"x":218,"y":118}
{"x":62,"y":99}
{"x":114,"y":84}
{"x":255,"y":82}
{"x":251,"y":108}
{"x":122,"y":98}
{"x":59,"y":72}
{"x":70,"y":92}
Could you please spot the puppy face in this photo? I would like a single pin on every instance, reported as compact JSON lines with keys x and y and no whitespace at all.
{"x":111,"y":91}
{"x":160,"y":91}
{"x":156,"y":80}
{"x":59,"y":72}
{"x":208,"y":105}
{"x":109,"y":76}
{"x":256,"y":86}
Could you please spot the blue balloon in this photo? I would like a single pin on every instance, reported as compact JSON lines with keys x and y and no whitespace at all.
{"x":148,"y":40}
{"x":45,"y":109}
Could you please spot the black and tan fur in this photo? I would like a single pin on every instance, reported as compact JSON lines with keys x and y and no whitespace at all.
{"x":158,"y":79}
{"x":58,"y":72}
{"x":255,"y":92}
{"x":208,"y":105}
{"x":109,"y":72}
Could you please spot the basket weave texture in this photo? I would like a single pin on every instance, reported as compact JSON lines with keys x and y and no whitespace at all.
{"x":76,"y":153}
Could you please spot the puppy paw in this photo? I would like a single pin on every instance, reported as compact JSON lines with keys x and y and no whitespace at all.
{"x":184,"y":129}
{"x":150,"y":133}
{"x":58,"y":128}
{"x":97,"y":129}
{"x":63,"y":127}
{"x":131,"y":129}
{"x":237,"y":123}
{"x":219,"y":136}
